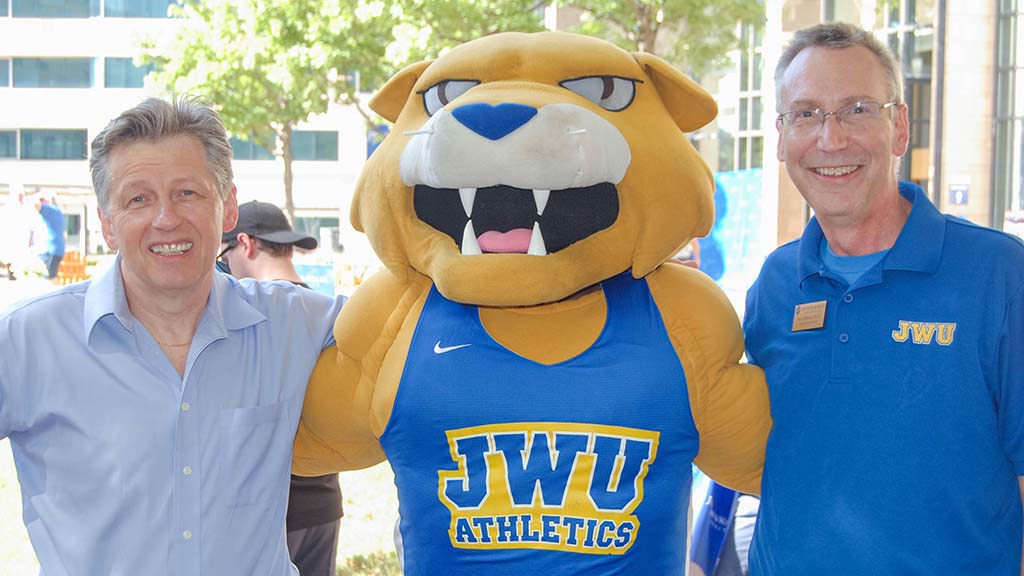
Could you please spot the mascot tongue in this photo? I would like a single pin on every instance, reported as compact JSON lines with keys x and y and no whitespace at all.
{"x":514,"y":241}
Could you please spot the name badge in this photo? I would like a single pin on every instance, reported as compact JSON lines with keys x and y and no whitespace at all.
{"x":810,"y":316}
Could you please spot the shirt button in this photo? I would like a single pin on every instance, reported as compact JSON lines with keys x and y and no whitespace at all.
{"x":185,"y":407}
{"x":844,"y":337}
{"x":187,"y":534}
{"x":848,"y":298}
{"x":187,"y":470}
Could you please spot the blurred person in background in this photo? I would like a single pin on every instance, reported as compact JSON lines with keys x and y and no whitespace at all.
{"x":50,"y":243}
{"x":16,"y":233}
{"x":261,"y":247}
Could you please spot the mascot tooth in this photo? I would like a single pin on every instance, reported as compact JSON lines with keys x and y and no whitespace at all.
{"x":538,"y":377}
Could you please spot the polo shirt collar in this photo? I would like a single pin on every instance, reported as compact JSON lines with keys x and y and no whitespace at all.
{"x":917,"y":249}
{"x":919,"y":246}
{"x":226,"y":309}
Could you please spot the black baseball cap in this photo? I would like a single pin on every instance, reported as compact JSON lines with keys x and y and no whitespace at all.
{"x":267,"y":222}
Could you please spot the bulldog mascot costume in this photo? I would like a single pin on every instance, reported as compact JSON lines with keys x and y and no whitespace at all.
{"x":538,"y":379}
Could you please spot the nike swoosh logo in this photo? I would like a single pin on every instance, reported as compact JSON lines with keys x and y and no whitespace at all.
{"x":438,"y":349}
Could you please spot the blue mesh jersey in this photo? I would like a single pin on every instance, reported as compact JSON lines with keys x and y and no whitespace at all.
{"x":505,"y":466}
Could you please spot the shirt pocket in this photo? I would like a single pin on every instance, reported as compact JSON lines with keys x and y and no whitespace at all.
{"x":258,"y":452}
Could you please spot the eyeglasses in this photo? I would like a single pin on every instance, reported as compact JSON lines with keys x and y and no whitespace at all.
{"x":221,"y":263}
{"x":853,"y":117}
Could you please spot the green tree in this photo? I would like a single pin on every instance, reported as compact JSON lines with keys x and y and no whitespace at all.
{"x":430,"y":26}
{"x":267,"y":65}
{"x":698,"y":34}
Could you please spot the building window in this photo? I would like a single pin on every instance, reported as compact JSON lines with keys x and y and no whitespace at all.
{"x":744,"y":148}
{"x":5,"y":71}
{"x":52,"y":72}
{"x":1008,"y":149}
{"x":53,"y":145}
{"x":919,"y":95}
{"x":247,"y":150}
{"x":310,"y":145}
{"x":3,"y":8}
{"x":137,"y":8}
{"x":54,"y":8}
{"x":312,"y":226}
{"x":909,"y":29}
{"x":72,"y":225}
{"x":123,"y":73}
{"x":749,"y":153}
{"x":726,"y":150}
{"x":8,"y":144}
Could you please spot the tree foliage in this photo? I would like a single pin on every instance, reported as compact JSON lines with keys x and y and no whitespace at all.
{"x":695,"y":35}
{"x":267,"y":65}
{"x":430,"y":26}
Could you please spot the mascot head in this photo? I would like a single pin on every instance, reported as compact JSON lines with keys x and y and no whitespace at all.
{"x":523,"y":168}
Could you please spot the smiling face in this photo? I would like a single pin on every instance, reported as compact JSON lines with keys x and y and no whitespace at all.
{"x":525,"y":167}
{"x":165,"y":215}
{"x":845,"y":175}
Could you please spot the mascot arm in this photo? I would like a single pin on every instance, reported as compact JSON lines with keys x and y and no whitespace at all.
{"x":729,"y":400}
{"x":346,"y":407}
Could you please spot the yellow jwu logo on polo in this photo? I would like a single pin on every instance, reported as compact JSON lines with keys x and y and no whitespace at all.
{"x":547,"y":486}
{"x":924,"y":332}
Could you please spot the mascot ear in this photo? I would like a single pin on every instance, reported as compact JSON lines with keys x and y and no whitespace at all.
{"x":689,"y":104}
{"x":390,"y":100}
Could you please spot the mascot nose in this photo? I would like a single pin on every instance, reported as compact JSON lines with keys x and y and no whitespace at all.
{"x":494,"y":122}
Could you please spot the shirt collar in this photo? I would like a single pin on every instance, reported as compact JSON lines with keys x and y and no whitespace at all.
{"x":226,"y":309}
{"x":919,"y":246}
{"x":917,"y":249}
{"x":104,"y":297}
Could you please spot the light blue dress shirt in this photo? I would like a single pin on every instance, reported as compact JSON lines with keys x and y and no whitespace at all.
{"x":128,"y":469}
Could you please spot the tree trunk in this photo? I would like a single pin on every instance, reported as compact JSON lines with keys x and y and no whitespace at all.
{"x":285,"y":136}
{"x":647,"y":28}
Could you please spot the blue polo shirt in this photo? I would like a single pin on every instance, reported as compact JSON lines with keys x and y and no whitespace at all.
{"x":899,"y":424}
{"x":128,"y":468}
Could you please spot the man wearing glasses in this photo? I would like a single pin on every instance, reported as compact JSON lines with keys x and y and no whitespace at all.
{"x":891,"y":337}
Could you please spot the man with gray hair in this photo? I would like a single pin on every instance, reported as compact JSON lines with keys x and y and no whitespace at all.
{"x":896,"y":386}
{"x":158,"y":439}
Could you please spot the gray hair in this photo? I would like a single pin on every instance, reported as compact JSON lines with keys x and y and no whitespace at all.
{"x":155,"y":119}
{"x":838,"y":35}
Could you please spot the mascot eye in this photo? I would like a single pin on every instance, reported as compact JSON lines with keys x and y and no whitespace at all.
{"x":608,"y":92}
{"x":439,"y":95}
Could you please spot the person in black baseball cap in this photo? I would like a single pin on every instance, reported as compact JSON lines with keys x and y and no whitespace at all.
{"x":263,"y":241}
{"x":261,"y":247}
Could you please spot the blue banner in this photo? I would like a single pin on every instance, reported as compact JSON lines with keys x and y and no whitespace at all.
{"x":733,"y":249}
{"x":711,"y":527}
{"x":319,"y":277}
